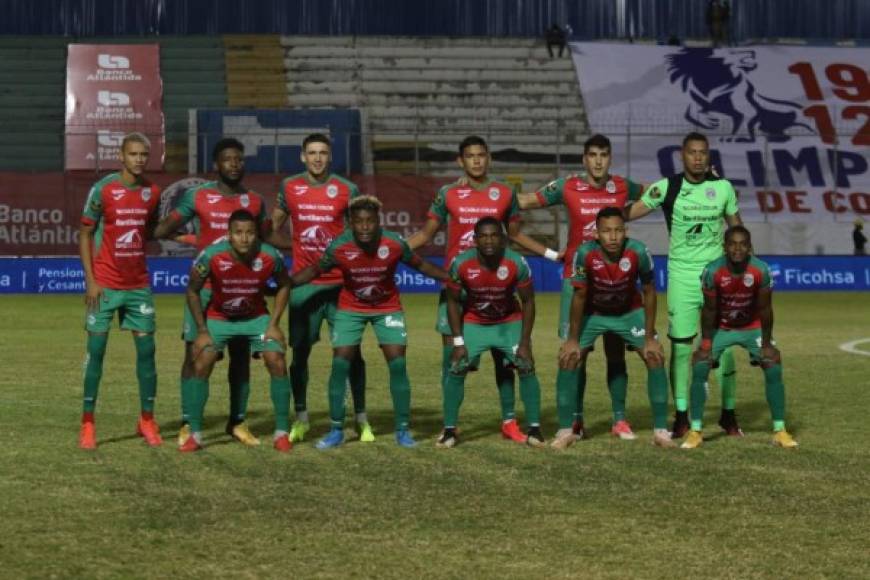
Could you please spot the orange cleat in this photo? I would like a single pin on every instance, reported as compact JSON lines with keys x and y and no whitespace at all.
{"x":149,"y":431}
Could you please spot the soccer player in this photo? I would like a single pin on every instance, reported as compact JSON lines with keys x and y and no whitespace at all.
{"x":489,"y":318}
{"x":695,"y":203}
{"x":583,"y":197}
{"x":316,"y":202}
{"x":367,"y":257}
{"x":474,"y":196}
{"x":211,"y":205}
{"x":738,"y":311}
{"x":606,"y":299}
{"x":239,"y":270}
{"x":120,"y":211}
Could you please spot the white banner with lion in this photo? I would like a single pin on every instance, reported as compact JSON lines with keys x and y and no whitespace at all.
{"x":789,"y":126}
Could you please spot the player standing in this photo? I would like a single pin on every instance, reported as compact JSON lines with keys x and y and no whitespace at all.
{"x":211,"y":205}
{"x":489,"y":318}
{"x":367,"y":257}
{"x":119,"y":213}
{"x":583,"y":197}
{"x":695,"y":203}
{"x":316,"y":202}
{"x":738,"y":311}
{"x":605,"y":300}
{"x":239,"y":269}
{"x":476,"y":195}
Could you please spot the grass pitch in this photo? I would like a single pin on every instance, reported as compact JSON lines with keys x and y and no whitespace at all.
{"x":487,"y":509}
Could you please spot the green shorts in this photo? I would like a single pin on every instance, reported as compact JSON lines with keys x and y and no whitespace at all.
{"x":748,"y":339}
{"x":310,"y":305}
{"x":629,"y":326}
{"x":349,"y":327}
{"x":135,"y":311}
{"x":481,"y":338}
{"x":222,"y":331}
{"x":685,"y":300}
{"x":188,"y":331}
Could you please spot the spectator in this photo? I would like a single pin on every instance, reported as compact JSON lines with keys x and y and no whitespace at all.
{"x":858,"y":238}
{"x":555,"y":36}
{"x":716,"y":21}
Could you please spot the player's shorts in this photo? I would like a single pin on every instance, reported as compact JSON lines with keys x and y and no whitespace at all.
{"x":629,"y":326}
{"x":188,"y":330}
{"x":349,"y":327}
{"x":503,"y":337}
{"x":310,"y":305}
{"x":748,"y":339}
{"x":685,"y":300}
{"x":135,"y":310}
{"x":253,"y":329}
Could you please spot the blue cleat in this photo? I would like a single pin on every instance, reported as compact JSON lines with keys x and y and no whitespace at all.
{"x":334,"y":438}
{"x":404,"y":439}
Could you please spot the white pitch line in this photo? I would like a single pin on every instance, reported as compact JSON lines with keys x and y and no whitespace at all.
{"x":851,"y":347}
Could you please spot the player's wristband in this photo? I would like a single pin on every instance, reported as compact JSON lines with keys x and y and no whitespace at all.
{"x":551,"y":255}
{"x":458,"y":341}
{"x":706,"y":344}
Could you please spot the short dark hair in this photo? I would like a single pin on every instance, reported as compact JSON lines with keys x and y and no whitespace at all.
{"x":694,"y":136}
{"x":487,"y":221}
{"x":597,"y":140}
{"x":226,"y":143}
{"x":738,"y":229}
{"x":365,"y":203}
{"x":241,"y":215}
{"x":608,"y":212}
{"x":470,"y":141}
{"x":316,"y":138}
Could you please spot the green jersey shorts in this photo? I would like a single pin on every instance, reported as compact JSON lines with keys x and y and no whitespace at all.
{"x":310,"y":306}
{"x":504,"y":337}
{"x":629,"y":326}
{"x":349,"y":327}
{"x":749,"y":339}
{"x":135,"y":310}
{"x":253,"y":329}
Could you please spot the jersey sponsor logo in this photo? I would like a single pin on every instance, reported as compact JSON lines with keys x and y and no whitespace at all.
{"x":146,"y":194}
{"x":638,"y":332}
{"x":383,"y":252}
{"x":467,"y":239}
{"x":748,"y":280}
{"x":223,"y":265}
{"x":315,"y":236}
{"x":237,"y":306}
{"x":146,"y":310}
{"x":625,"y":264}
{"x":589,"y":230}
{"x":610,"y":187}
{"x":502,"y":273}
{"x":257,"y":265}
{"x":129,"y":240}
{"x":245,"y":200}
{"x":494,"y":193}
{"x":369,"y":293}
{"x":394,"y":322}
{"x":213,"y":198}
{"x":332,"y":191}
{"x":92,"y":319}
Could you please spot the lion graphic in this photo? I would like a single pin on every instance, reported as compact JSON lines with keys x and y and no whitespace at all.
{"x":718,"y":83}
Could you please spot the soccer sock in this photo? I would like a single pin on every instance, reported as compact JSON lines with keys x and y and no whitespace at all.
{"x":657,"y":390}
{"x":239,"y":377}
{"x":581,"y":392}
{"x":681,"y":354}
{"x":279,"y":389}
{"x":617,"y":384}
{"x":96,"y":350}
{"x":198,"y":393}
{"x":337,"y":382}
{"x":504,"y":378}
{"x":530,"y":392}
{"x":446,"y":352}
{"x":146,"y":371}
{"x":400,"y":391}
{"x":358,"y":384}
{"x":566,"y":397}
{"x":454,"y":393}
{"x":299,"y":379}
{"x":188,"y":396}
{"x":775,"y":392}
{"x":726,"y":376}
{"x":700,"y":373}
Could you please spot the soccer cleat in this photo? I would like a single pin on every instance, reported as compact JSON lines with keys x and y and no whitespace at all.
{"x":282,"y":443}
{"x":404,"y":439}
{"x":448,"y":439}
{"x":623,"y":430}
{"x":681,"y":424}
{"x":366,"y":435}
{"x":564,"y":439}
{"x":511,"y":430}
{"x":693,"y":440}
{"x":149,"y":431}
{"x":535,"y":438}
{"x":334,"y":438}
{"x":242,"y":434}
{"x":578,"y":429}
{"x":88,"y":436}
{"x":298,"y":431}
{"x":191,"y":444}
{"x":784,"y":439}
{"x":728,"y":422}
{"x":662,"y":438}
{"x":183,"y":434}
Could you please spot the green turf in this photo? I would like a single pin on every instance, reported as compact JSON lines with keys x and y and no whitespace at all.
{"x":487,"y":509}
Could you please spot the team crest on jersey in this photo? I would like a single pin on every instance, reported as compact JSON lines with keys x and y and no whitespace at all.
{"x":332,"y":191}
{"x":625,"y":264}
{"x":610,"y":187}
{"x":502,"y":273}
{"x":146,"y":194}
{"x":383,"y":252}
{"x":245,"y":200}
{"x":257,"y":265}
{"x":494,"y":193}
{"x":710,"y":193}
{"x":748,"y":280}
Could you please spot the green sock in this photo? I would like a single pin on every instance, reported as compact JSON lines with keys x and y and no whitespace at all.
{"x":566,"y":397}
{"x":504,"y":378}
{"x":239,"y":378}
{"x":726,"y":376}
{"x":775,"y":392}
{"x":446,"y":352}
{"x":337,"y":382}
{"x":279,"y":389}
{"x":700,"y":374}
{"x":530,"y":391}
{"x":657,"y":390}
{"x":188,"y":397}
{"x":299,"y":377}
{"x":681,"y":354}
{"x":198,"y":389}
{"x":617,"y":384}
{"x":358,"y":383}
{"x":96,"y":350}
{"x":581,"y":392}
{"x":400,"y":391}
{"x":146,"y":370}
{"x":454,"y":393}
